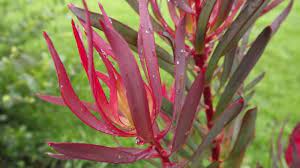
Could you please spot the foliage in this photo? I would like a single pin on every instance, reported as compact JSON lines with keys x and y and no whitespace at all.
{"x":168,"y":123}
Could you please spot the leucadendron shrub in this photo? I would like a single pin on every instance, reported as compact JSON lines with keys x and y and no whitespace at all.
{"x":204,"y":118}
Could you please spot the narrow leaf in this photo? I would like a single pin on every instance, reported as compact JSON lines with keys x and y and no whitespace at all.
{"x":133,"y":82}
{"x":180,"y":67}
{"x":239,"y":27}
{"x":246,"y":134}
{"x":228,"y":65}
{"x":282,"y":16}
{"x":188,"y":113}
{"x":221,"y":122}
{"x":244,"y":69}
{"x":101,"y":153}
{"x":203,"y":25}
{"x":254,"y":82}
{"x":148,"y":51}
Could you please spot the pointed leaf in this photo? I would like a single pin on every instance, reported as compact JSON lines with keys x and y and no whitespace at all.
{"x":71,"y":99}
{"x":188,"y":113}
{"x":244,"y":69}
{"x":133,"y":82}
{"x":148,"y":51}
{"x":203,"y":25}
{"x":254,"y":82}
{"x":220,"y":123}
{"x":246,"y":134}
{"x":239,"y":27}
{"x":101,"y":153}
{"x":282,"y":16}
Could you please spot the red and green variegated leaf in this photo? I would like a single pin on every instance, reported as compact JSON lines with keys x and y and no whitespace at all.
{"x":246,"y":134}
{"x":220,"y":123}
{"x":148,"y":51}
{"x":71,"y":99}
{"x":164,"y":59}
{"x":183,"y":5}
{"x":188,"y":113}
{"x":239,"y":27}
{"x":101,"y":153}
{"x":133,"y":82}
{"x":203,"y":25}
{"x":247,"y":64}
{"x":283,"y":15}
{"x":180,"y":67}
{"x":224,"y":11}
{"x":254,"y":82}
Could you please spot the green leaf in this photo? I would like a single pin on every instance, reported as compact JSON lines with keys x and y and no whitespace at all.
{"x":227,"y":66}
{"x":247,"y":64}
{"x":254,"y":82}
{"x":246,"y":134}
{"x":239,"y":27}
{"x":203,"y":25}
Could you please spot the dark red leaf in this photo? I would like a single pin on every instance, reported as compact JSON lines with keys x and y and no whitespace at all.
{"x":188,"y":113}
{"x":180,"y":67}
{"x":133,"y":82}
{"x":101,"y":153}
{"x":147,"y":49}
{"x":283,"y":15}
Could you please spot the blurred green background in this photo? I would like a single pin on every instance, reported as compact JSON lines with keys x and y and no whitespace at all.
{"x":27,"y":123}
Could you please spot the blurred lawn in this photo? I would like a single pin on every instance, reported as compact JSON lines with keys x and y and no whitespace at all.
{"x":276,"y":97}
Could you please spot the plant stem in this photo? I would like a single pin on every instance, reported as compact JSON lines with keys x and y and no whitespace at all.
{"x":200,"y":61}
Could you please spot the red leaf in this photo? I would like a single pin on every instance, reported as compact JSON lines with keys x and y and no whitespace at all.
{"x":292,"y":153}
{"x":188,"y":113}
{"x":70,"y":98}
{"x":101,"y":153}
{"x":180,"y":67}
{"x":133,"y":82}
{"x":147,"y":49}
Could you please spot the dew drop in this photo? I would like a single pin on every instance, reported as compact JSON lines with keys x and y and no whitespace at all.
{"x":139,"y":141}
{"x":177,"y":62}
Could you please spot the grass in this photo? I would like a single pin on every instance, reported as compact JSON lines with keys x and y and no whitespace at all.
{"x":276,"y":97}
